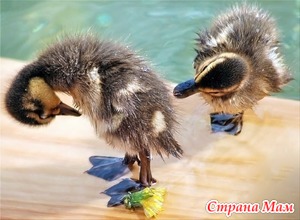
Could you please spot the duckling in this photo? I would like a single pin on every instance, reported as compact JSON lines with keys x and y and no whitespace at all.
{"x":126,"y":102}
{"x":238,"y":61}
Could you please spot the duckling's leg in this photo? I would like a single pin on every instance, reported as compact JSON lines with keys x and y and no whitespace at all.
{"x":129,"y":160}
{"x":146,"y":178}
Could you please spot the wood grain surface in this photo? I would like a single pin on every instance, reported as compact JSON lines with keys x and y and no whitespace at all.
{"x":42,"y":169}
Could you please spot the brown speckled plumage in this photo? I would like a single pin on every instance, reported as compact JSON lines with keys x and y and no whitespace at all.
{"x":238,"y":60}
{"x":124,"y":99}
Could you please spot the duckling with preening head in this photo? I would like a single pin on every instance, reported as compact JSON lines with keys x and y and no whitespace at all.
{"x":127,"y":103}
{"x":238,"y":61}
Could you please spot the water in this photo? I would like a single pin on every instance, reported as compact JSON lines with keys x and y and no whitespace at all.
{"x":162,"y":31}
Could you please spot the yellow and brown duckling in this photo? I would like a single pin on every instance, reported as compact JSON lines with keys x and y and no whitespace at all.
{"x":238,"y":61}
{"x":124,"y":99}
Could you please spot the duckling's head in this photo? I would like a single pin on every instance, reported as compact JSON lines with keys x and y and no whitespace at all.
{"x":222,"y":80}
{"x":219,"y":76}
{"x":32,"y":101}
{"x":238,"y":61}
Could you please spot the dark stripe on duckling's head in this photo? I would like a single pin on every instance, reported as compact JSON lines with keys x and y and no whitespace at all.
{"x":32,"y":101}
{"x":217,"y":76}
{"x":222,"y":74}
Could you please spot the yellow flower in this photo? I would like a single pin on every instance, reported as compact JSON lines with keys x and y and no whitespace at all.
{"x":153,"y":205}
{"x":151,"y":199}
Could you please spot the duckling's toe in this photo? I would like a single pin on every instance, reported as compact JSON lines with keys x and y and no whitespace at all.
{"x":148,"y":182}
{"x":125,"y":186}
{"x":116,"y":200}
{"x":118,"y":191}
{"x":107,"y":168}
{"x":229,"y":123}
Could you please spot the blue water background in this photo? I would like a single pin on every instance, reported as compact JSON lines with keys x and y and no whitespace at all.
{"x":161,"y":31}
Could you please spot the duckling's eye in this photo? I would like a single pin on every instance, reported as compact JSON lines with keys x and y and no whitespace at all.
{"x":38,"y":112}
{"x":34,"y":106}
{"x":55,"y":110}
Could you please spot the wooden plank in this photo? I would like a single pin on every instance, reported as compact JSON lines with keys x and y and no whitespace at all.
{"x":42,"y":169}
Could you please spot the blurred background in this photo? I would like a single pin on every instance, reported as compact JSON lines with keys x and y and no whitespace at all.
{"x":161,"y":31}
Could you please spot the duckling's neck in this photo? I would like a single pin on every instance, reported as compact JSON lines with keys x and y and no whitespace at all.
{"x":87,"y":94}
{"x":232,"y":103}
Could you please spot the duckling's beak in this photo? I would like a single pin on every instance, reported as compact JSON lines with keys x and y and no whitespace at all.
{"x":67,"y":110}
{"x":185,"y":89}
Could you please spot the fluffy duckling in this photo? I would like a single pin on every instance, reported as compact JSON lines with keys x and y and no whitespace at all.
{"x":238,"y":61}
{"x":124,"y":99}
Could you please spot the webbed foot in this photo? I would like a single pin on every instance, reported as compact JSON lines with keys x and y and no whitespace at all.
{"x":120,"y":190}
{"x":108,"y":168}
{"x":229,"y":123}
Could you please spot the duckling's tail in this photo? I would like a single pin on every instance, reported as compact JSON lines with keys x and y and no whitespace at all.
{"x":169,"y":145}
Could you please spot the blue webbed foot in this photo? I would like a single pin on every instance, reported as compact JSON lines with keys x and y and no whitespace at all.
{"x":108,"y":168}
{"x":229,"y":123}
{"x":120,"y":190}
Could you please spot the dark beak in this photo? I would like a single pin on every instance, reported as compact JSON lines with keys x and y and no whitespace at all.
{"x":67,"y":110}
{"x":185,"y":89}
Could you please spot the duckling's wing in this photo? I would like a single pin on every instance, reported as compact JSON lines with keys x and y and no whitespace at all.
{"x":107,"y":168}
